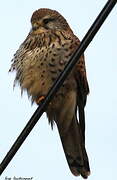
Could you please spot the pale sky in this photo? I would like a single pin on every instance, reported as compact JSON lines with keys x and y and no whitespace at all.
{"x":41,"y":156}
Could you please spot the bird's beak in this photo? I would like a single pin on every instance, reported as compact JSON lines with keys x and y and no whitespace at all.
{"x":37,"y":28}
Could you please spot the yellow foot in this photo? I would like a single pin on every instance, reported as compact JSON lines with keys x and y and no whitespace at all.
{"x":38,"y":101}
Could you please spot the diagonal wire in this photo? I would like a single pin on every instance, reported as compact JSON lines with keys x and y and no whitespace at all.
{"x":73,"y":60}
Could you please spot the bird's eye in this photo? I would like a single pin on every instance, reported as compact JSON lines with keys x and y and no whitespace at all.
{"x":47,"y":20}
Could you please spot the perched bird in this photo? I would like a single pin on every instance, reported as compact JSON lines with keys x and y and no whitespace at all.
{"x":37,"y":63}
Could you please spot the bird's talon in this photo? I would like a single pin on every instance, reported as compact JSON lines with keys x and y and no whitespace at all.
{"x":40,"y":99}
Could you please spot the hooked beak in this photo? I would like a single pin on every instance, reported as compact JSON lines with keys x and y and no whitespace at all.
{"x":38,"y":28}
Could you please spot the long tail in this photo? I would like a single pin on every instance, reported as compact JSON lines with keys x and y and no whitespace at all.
{"x":74,"y":148}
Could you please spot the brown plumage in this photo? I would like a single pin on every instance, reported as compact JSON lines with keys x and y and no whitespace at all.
{"x":38,"y":62}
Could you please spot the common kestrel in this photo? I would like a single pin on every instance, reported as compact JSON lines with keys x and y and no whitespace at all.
{"x":38,"y":62}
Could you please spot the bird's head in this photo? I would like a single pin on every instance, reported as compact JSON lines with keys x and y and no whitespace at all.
{"x":47,"y":19}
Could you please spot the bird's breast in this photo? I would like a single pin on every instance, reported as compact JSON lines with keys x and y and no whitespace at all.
{"x":37,"y":69}
{"x":43,"y":69}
